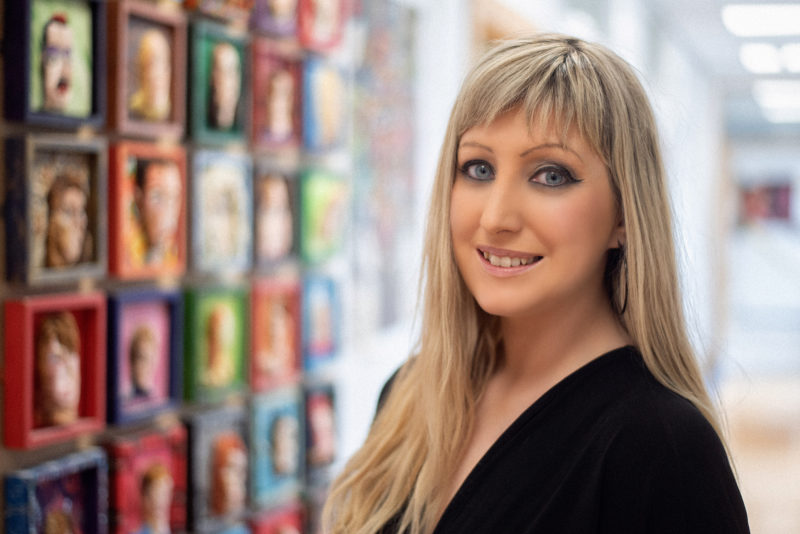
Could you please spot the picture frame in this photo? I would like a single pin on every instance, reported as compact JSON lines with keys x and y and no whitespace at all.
{"x":40,"y":36}
{"x":321,"y":430}
{"x":277,"y":89}
{"x":222,"y":212}
{"x":275,"y":215}
{"x":70,"y":492}
{"x":148,"y":210}
{"x":324,"y":200}
{"x":150,"y":464}
{"x":324,"y":102}
{"x":219,"y":83}
{"x":274,"y":18}
{"x":55,"y":208}
{"x":277,"y":453}
{"x":55,"y":368}
{"x":217,"y":442}
{"x":287,"y":519}
{"x":276,"y":355}
{"x":233,"y":11}
{"x":145,"y":360}
{"x":320,"y":25}
{"x":320,"y":307}
{"x":216,"y":347}
{"x":147,"y":82}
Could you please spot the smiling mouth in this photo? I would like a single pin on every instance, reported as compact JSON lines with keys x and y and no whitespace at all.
{"x":508,"y":261}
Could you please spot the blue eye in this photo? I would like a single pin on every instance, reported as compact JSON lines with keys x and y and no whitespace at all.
{"x":553,"y":177}
{"x":478,"y":170}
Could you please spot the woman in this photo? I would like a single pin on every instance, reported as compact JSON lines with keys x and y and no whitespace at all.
{"x":554,"y":389}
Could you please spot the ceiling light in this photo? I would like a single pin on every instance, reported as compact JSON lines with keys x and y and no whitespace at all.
{"x":760,"y":58}
{"x":790,"y":57}
{"x":778,"y":99}
{"x":758,"y":20}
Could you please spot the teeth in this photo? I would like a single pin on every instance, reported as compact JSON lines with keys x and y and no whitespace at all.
{"x":506,"y":261}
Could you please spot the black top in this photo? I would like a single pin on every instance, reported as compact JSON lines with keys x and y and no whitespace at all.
{"x":606,"y":450}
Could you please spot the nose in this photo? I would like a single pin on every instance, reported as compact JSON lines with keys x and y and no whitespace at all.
{"x":502,"y":207}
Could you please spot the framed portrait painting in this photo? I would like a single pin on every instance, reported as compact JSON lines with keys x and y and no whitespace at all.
{"x":218,"y":469}
{"x":148,"y":77}
{"x":68,"y":494}
{"x":148,"y":481}
{"x":277,"y":87}
{"x":145,"y":353}
{"x":324,"y":102}
{"x":321,"y":433}
{"x":277,"y":18}
{"x":321,"y":23}
{"x":222,"y":212}
{"x":320,"y":322}
{"x":219,"y":90}
{"x":55,"y":366}
{"x":216,"y":348}
{"x":324,"y":199}
{"x":55,"y":61}
{"x":277,"y":446}
{"x":55,"y":208}
{"x":275,"y":330}
{"x":275,"y":215}
{"x":147,"y":204}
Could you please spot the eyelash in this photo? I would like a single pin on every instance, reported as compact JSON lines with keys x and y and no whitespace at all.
{"x":467,"y":170}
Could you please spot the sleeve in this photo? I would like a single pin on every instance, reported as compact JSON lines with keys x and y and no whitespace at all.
{"x":670,"y":474}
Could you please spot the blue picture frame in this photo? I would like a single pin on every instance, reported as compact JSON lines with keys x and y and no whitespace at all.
{"x":75,"y":487}
{"x":278,"y":451}
{"x":124,"y":404}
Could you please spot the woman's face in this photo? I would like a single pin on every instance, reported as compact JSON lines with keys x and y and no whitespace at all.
{"x":531,"y":219}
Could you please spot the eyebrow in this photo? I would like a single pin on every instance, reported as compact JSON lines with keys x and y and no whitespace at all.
{"x":525,"y":152}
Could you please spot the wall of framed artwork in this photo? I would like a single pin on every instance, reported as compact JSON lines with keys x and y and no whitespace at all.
{"x":55,"y":62}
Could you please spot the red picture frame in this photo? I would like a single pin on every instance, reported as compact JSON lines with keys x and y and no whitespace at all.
{"x":24,"y":317}
{"x":167,"y":21}
{"x":131,"y":458}
{"x":128,"y":247}
{"x":319,"y":30}
{"x":275,"y":322}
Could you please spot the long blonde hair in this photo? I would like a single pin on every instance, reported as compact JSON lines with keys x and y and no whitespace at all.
{"x":418,"y":435}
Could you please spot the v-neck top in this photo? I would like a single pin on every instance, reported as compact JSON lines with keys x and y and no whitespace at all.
{"x":606,"y":450}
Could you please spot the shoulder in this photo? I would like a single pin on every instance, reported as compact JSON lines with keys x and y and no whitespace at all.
{"x":666,"y":464}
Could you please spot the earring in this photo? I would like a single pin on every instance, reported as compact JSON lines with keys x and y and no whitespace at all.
{"x":622,"y":269}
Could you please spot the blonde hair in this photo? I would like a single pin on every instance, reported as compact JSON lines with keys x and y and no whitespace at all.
{"x":418,"y":435}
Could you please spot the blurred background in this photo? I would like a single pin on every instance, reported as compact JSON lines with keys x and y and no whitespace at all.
{"x":724,"y":80}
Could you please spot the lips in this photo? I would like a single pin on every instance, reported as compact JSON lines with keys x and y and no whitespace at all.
{"x":507,"y":259}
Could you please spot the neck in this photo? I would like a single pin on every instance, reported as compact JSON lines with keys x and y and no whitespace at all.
{"x":551,"y":345}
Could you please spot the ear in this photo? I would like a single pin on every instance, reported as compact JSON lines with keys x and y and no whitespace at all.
{"x":618,"y":237}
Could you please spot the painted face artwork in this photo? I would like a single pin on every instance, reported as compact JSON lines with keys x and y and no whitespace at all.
{"x":226,"y":82}
{"x":229,"y":475}
{"x":273,"y":219}
{"x":67,"y":222}
{"x":58,"y":370}
{"x":143,"y":354}
{"x":532,"y":217}
{"x":158,"y":197}
{"x":285,"y":445}
{"x":57,"y":44}
{"x":151,"y":100}
{"x":156,"y":499}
